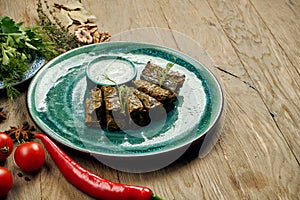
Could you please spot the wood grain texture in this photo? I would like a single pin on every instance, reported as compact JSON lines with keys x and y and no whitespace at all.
{"x":266,"y":63}
{"x":283,"y":20}
{"x":247,"y":46}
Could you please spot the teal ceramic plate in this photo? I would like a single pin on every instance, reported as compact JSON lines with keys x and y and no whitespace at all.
{"x":57,"y":94}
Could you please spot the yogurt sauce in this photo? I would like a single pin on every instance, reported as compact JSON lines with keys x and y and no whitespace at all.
{"x":117,"y":70}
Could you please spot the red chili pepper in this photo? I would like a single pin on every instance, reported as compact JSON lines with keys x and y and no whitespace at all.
{"x":89,"y":182}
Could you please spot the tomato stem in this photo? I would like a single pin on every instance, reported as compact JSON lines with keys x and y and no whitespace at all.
{"x":4,"y":150}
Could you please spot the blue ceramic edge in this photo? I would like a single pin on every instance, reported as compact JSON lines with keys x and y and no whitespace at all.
{"x":36,"y":65}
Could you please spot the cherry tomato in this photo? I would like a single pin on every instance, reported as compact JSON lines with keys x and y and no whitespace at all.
{"x":6,"y":146}
{"x":29,"y":156}
{"x":6,"y":181}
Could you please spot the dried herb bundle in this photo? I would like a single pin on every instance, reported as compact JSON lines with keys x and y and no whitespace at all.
{"x":58,"y":34}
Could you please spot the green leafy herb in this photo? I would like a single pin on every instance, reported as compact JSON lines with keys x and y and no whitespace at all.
{"x":165,"y":72}
{"x":122,"y":91}
{"x":19,"y":46}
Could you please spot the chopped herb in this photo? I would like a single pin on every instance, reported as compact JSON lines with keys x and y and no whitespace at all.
{"x":122,"y":91}
{"x":19,"y":46}
{"x":57,"y":33}
{"x":165,"y":72}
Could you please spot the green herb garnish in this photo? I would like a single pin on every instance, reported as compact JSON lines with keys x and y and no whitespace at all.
{"x":165,"y":72}
{"x":122,"y":91}
{"x":19,"y":46}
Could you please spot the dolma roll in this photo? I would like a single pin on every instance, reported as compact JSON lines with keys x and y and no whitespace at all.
{"x":115,"y":114}
{"x":165,"y":96}
{"x":153,"y":73}
{"x":135,"y":109}
{"x":155,"y":109}
{"x":94,"y":108}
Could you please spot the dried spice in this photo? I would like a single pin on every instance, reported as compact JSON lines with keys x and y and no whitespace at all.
{"x":101,"y":37}
{"x":2,"y":115}
{"x":70,"y":20}
{"x":57,"y":32}
{"x":75,"y":11}
{"x":21,"y":133}
{"x":84,"y":33}
{"x":88,"y":34}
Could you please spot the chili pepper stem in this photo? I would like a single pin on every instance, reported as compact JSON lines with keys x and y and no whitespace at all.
{"x":155,"y":197}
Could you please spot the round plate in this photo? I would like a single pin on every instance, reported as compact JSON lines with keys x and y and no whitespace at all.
{"x":35,"y":66}
{"x":56,"y":101}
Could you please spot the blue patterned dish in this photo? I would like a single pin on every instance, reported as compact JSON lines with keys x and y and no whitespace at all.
{"x":56,"y":102}
{"x":35,"y":66}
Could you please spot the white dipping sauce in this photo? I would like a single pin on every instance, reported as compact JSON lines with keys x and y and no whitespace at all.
{"x":117,"y":70}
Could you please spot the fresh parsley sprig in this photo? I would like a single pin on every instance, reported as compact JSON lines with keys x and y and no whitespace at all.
{"x":19,"y":46}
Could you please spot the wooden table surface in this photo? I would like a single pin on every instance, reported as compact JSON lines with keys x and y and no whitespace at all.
{"x":254,"y":46}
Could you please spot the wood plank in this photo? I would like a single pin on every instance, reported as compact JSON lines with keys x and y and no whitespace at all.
{"x":266,"y":64}
{"x":20,"y":11}
{"x":282,"y":18}
{"x":253,"y":122}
